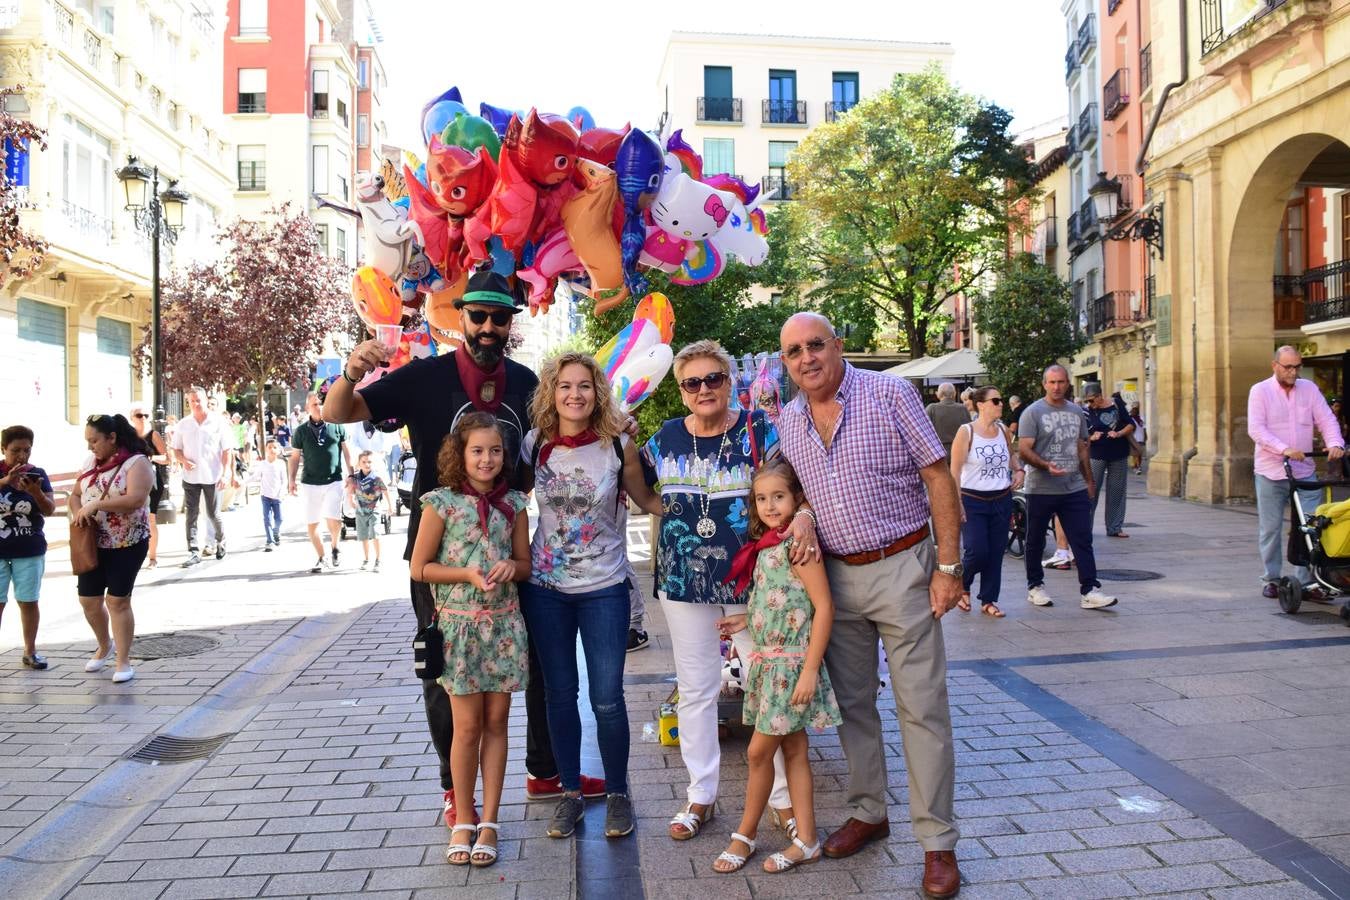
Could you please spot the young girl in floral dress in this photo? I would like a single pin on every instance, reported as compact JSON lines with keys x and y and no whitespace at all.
{"x":472,"y":551}
{"x":786,"y":690}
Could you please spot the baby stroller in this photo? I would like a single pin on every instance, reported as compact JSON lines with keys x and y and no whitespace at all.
{"x":1318,"y":538}
{"x":349,"y":520}
{"x":407,"y":473}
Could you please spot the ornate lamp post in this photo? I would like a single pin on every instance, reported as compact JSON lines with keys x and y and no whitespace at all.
{"x":1146,"y":227}
{"x":161,"y":215}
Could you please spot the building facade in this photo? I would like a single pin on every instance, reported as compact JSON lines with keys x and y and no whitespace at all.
{"x":1247,"y":170}
{"x":107,"y":79}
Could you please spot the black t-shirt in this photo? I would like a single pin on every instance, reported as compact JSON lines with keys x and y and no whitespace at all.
{"x":1109,"y":418}
{"x":428,"y":396}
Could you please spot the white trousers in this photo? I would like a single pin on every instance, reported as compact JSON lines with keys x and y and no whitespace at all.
{"x":696,"y":642}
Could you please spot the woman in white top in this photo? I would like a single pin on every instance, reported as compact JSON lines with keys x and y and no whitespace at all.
{"x":987,"y":471}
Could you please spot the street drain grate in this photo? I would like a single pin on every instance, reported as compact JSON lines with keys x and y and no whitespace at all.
{"x":1127,"y":575}
{"x":165,"y":748}
{"x":170,"y":645}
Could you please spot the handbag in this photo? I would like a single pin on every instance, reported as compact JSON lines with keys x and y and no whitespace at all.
{"x":429,"y":652}
{"x":83,"y":547}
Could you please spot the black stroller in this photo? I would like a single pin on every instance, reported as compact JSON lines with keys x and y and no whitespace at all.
{"x":406,"y":473}
{"x":1306,"y":528}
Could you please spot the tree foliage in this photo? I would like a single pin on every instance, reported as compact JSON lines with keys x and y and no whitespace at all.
{"x":259,"y":314}
{"x":902,"y":203}
{"x":1028,"y":323}
{"x":21,"y":252}
{"x":720,"y":310}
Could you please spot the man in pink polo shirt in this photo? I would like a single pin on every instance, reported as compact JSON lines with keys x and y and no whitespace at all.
{"x":1281,"y":414}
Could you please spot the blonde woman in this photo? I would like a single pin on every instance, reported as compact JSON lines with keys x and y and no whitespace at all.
{"x":582,"y":463}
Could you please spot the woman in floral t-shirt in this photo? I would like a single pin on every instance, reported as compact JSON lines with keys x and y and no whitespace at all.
{"x":113,"y":494}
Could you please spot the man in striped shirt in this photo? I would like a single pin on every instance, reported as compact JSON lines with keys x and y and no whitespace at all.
{"x":874,"y":472}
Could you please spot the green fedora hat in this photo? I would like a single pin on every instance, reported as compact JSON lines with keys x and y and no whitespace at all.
{"x":487,"y":288}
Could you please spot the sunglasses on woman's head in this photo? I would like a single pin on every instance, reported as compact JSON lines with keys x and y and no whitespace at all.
{"x":500,"y":317}
{"x":713,"y":380}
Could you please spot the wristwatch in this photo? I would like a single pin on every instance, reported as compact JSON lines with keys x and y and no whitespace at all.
{"x":956,"y":570}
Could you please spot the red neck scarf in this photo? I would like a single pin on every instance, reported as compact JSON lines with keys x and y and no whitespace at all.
{"x":121,"y":456}
{"x":493,"y":498}
{"x":743,"y":563}
{"x":566,"y":440}
{"x":485,"y":389}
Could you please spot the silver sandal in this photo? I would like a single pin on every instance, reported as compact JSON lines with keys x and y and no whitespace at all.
{"x":690,"y":821}
{"x":736,"y":860}
{"x":780,"y":862}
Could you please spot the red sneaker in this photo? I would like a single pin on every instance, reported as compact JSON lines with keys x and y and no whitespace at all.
{"x":548,"y":788}
{"x":448,"y":811}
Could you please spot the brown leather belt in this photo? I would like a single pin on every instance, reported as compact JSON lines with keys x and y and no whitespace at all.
{"x":863,"y":557}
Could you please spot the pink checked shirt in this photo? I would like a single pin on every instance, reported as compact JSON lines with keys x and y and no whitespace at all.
{"x":865,"y":489}
{"x":1277,"y":419}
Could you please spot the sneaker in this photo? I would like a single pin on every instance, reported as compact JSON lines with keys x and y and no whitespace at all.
{"x":376,"y":567}
{"x":1038,"y":597}
{"x":618,"y":816}
{"x":267,"y":548}
{"x":364,"y":564}
{"x":36,"y":661}
{"x":317,"y":567}
{"x":192,"y":560}
{"x":448,"y":810}
{"x":220,"y":550}
{"x":209,"y":550}
{"x":566,"y":815}
{"x":1095,"y":599}
{"x":335,"y":556}
{"x":637,"y":639}
{"x":548,"y":788}
{"x":1058,"y":560}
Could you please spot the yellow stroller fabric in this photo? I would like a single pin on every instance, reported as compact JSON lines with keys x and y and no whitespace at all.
{"x":1336,"y":537}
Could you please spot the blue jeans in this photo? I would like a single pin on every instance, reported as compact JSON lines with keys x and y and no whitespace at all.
{"x":1272,"y":513}
{"x":272,"y":519}
{"x":601,"y":617}
{"x":985,"y":536}
{"x":1075,"y":514}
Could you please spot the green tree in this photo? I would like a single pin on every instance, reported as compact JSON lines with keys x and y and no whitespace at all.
{"x":1028,"y":323}
{"x":720,"y":309}
{"x":903,"y":203}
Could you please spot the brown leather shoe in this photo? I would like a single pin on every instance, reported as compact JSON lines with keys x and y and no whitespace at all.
{"x":853,"y":836}
{"x":941,"y":877}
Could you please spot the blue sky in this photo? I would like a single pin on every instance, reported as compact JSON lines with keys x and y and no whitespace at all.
{"x":556,"y":55}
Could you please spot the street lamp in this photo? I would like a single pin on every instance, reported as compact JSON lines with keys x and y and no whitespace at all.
{"x":1146,"y":227}
{"x":161,"y":215}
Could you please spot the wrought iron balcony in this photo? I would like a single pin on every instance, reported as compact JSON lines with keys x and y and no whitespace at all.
{"x":1070,"y":60}
{"x":1214,"y":31}
{"x":1324,"y":292}
{"x":1087,"y":217}
{"x":1087,"y":35}
{"x":1112,"y":6}
{"x":1071,"y":142}
{"x":719,"y":109}
{"x":1288,"y":301}
{"x":777,"y":187}
{"x":1087,"y":126}
{"x":784,"y":112}
{"x":834,"y":110}
{"x":87,"y":223}
{"x":1075,"y":232}
{"x":1146,"y":68}
{"x":1116,"y":94}
{"x":1114,"y":309}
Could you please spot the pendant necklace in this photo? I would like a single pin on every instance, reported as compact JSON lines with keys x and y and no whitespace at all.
{"x":707,"y":526}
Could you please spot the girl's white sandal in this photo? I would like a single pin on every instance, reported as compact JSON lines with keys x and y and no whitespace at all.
{"x":781,"y":863}
{"x":488,"y":851}
{"x":737,"y":861}
{"x":459,"y":848}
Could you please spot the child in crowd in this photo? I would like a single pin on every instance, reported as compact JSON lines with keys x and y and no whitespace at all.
{"x":364,"y":489}
{"x":473,"y":544}
{"x":270,"y":474}
{"x":25,"y":498}
{"x":786,"y":690}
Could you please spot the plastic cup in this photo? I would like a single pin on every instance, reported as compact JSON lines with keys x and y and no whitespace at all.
{"x":389,"y":336}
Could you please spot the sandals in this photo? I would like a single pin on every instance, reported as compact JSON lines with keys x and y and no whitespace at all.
{"x":454,"y":848}
{"x":735,"y":862}
{"x":780,"y":862}
{"x":991,"y":609}
{"x":964,"y":603}
{"x":686,"y":824}
{"x":789,"y":824}
{"x":483,"y":855}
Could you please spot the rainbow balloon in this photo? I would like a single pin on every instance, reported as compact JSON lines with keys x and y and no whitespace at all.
{"x":633,"y":339}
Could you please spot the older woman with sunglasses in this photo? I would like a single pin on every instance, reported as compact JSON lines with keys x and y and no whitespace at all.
{"x":701,"y":465}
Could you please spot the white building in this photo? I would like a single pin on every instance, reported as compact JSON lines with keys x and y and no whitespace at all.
{"x":107,"y":79}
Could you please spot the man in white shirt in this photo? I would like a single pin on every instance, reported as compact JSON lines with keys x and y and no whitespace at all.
{"x":201,"y":445}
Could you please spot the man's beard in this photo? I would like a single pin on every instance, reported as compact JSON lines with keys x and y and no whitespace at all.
{"x":487,"y":356}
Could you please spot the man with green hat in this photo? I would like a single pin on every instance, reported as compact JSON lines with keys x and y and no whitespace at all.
{"x":429,"y":395}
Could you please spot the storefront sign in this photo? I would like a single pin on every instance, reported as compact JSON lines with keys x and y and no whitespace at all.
{"x":16,"y":160}
{"x":1162,"y":317}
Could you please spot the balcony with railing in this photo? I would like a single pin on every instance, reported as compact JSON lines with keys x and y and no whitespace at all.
{"x":777,"y":187}
{"x":1087,"y":126}
{"x":1114,"y":309}
{"x":833,"y":109}
{"x":719,"y":109}
{"x":1324,"y":292}
{"x":1071,"y":60}
{"x":1215,"y":31}
{"x":1075,"y":232}
{"x":1071,"y":143}
{"x":1087,"y":218}
{"x":87,"y":224}
{"x":1146,"y":68}
{"x":784,"y":112}
{"x":1287,"y":291}
{"x":1116,"y":94}
{"x":1087,"y":36}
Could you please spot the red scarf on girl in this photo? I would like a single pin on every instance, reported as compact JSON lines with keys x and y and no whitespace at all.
{"x":475,"y":379}
{"x":743,"y":563}
{"x":493,"y":498}
{"x":566,"y":440}
{"x":121,"y":456}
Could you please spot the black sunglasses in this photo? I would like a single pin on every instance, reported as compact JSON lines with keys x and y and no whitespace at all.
{"x":693,"y":385}
{"x":500,"y":317}
{"x":815,"y":345}
{"x":138,"y":415}
{"x":997,"y":401}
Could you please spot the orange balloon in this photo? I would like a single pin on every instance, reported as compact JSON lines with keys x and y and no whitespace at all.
{"x":376,"y":299}
{"x":657,"y":309}
{"x":441,"y":314}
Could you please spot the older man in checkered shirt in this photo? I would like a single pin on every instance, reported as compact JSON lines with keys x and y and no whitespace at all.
{"x":875,"y":472}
